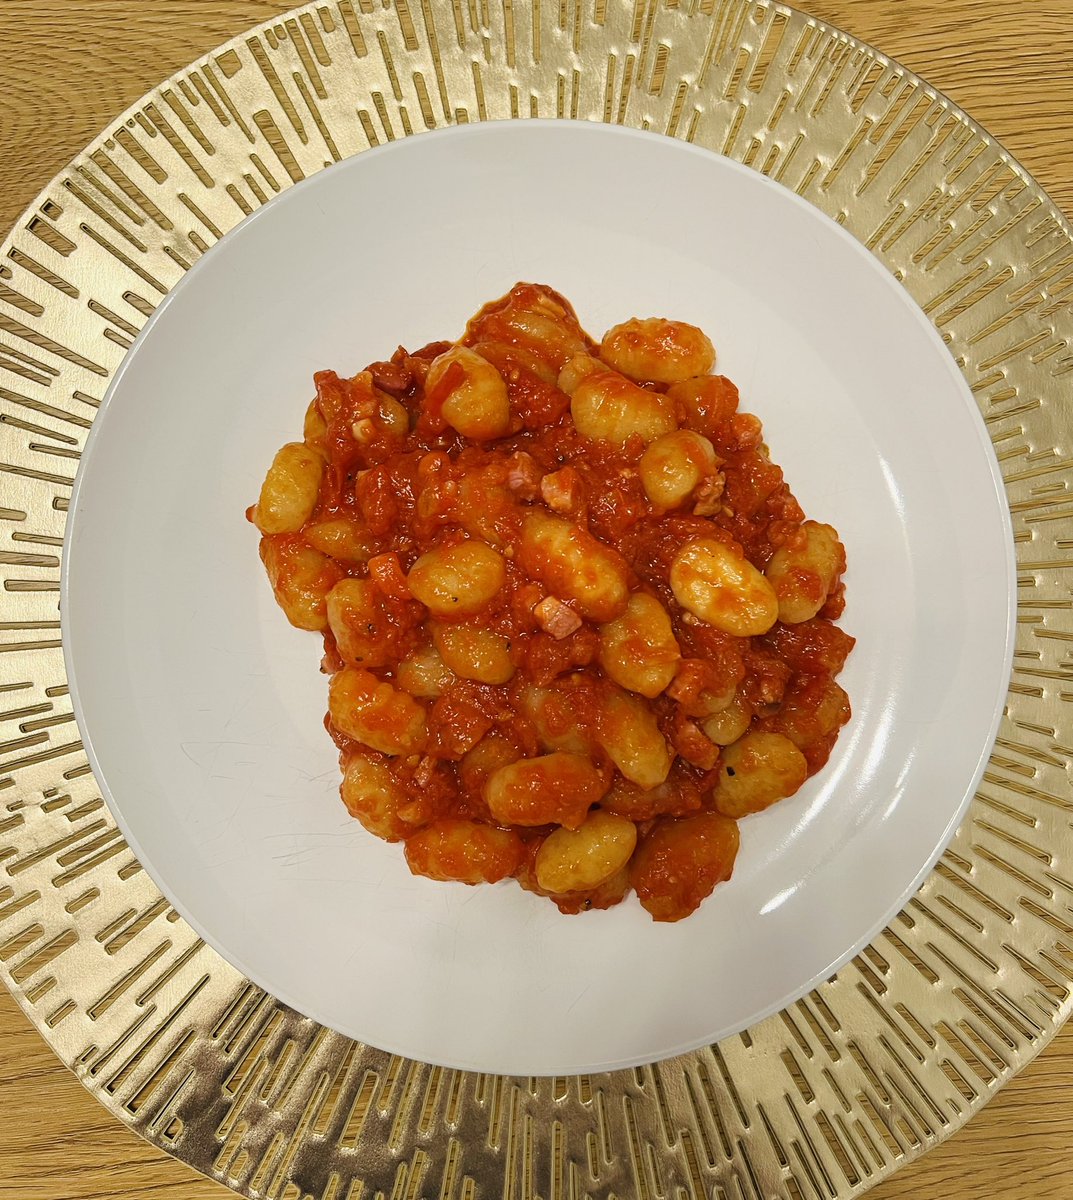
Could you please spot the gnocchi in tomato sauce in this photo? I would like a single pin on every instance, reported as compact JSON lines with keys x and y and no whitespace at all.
{"x":576,"y":624}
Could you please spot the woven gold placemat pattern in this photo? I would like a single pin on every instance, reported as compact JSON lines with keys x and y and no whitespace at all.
{"x":896,"y":1052}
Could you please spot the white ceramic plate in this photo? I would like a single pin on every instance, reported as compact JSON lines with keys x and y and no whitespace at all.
{"x":202,"y":709}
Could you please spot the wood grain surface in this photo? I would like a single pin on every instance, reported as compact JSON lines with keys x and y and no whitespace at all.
{"x":67,"y":68}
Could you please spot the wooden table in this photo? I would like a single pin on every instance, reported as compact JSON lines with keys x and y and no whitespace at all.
{"x":66,"y":68}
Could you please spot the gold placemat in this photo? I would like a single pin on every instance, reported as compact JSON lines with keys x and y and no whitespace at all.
{"x":973,"y":977}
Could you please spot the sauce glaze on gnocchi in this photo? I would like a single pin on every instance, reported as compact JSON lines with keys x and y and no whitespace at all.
{"x":576,"y":624}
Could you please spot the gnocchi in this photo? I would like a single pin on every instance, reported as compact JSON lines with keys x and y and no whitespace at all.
{"x":290,"y":490}
{"x":347,"y":541}
{"x":729,"y":723}
{"x":374,"y":713}
{"x":580,"y":367}
{"x":574,"y":565}
{"x":302,"y":579}
{"x":607,"y":407}
{"x":359,"y":622}
{"x":474,"y":653}
{"x":423,"y":673}
{"x":680,"y":861}
{"x":628,"y":731}
{"x":576,"y":626}
{"x":471,"y":394}
{"x":553,"y":713}
{"x":673,"y":467}
{"x":723,"y":588}
{"x":534,"y":317}
{"x":656,"y":350}
{"x":638,"y":650}
{"x":578,"y":860}
{"x":757,"y":770}
{"x":551,"y":789}
{"x":803,"y":572}
{"x":374,"y":797}
{"x":464,"y":851}
{"x":457,"y":581}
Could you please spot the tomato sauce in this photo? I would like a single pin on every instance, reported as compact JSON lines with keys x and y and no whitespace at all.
{"x":400,"y":482}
